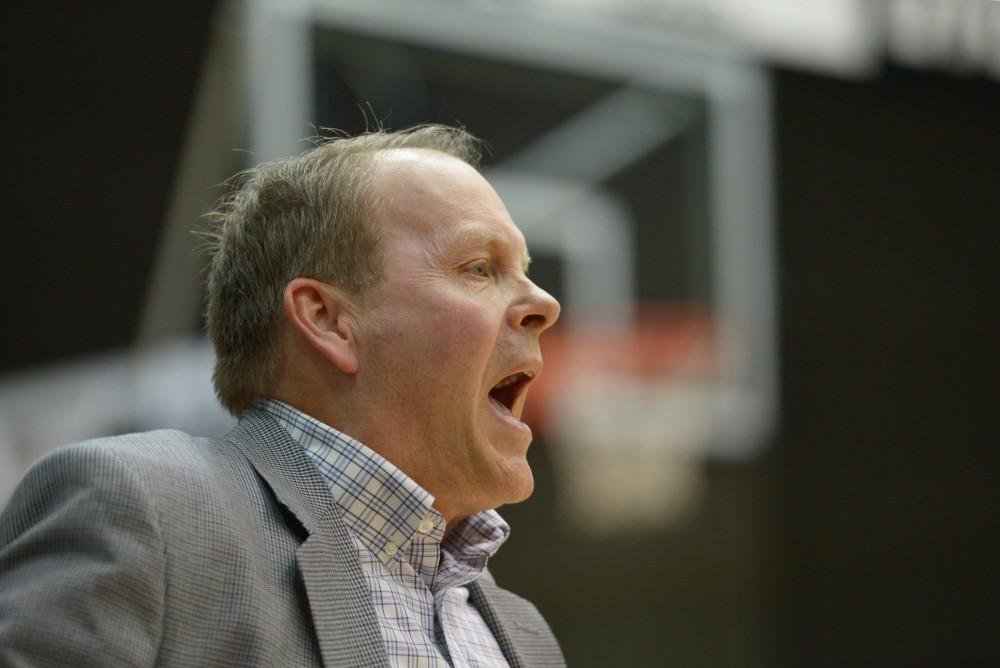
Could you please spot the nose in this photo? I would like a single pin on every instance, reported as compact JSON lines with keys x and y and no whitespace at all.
{"x":537,"y":311}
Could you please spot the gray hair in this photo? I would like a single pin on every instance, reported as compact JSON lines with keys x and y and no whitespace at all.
{"x":306,"y":216}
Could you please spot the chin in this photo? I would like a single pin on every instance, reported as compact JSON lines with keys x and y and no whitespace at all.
{"x":519,"y":485}
{"x":504,"y":475}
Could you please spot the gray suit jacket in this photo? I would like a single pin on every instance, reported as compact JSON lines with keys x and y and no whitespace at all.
{"x":169,"y":550}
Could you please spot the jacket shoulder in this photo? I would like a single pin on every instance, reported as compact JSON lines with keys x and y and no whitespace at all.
{"x":176,"y":474}
{"x":80,"y":540}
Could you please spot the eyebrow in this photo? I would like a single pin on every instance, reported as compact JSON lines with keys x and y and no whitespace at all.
{"x":476,"y":235}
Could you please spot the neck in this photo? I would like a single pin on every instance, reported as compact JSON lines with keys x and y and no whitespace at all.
{"x":381,"y":437}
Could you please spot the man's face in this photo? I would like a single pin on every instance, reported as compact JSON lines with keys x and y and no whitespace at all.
{"x":448,"y":340}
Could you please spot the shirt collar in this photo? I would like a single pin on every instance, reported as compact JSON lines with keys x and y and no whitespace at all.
{"x":382,"y":505}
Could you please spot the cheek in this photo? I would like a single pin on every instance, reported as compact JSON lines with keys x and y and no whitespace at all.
{"x":455,"y":350}
{"x":445,"y":343}
{"x":468,"y":334}
{"x":461,"y":326}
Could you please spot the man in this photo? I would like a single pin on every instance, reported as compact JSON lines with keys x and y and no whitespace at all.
{"x":376,"y":333}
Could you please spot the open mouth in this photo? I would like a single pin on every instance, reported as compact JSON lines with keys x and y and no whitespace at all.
{"x":508,"y":391}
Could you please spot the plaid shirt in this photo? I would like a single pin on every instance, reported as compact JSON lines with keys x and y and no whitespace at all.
{"x":415,"y":573}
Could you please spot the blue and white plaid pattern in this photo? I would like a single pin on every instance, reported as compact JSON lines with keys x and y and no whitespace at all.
{"x":416,"y":575}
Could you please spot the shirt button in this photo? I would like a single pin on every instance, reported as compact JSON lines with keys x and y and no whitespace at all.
{"x":425,"y":526}
{"x":391,"y":549}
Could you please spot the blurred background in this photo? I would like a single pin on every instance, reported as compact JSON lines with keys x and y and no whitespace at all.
{"x":766,"y":434}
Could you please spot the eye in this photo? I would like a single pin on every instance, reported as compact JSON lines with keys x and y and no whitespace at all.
{"x":481,"y":269}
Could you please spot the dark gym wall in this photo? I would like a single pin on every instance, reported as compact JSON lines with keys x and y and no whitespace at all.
{"x":96,"y":100}
{"x":889,"y":200}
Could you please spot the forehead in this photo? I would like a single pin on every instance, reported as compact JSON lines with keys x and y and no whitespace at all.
{"x":439,"y":198}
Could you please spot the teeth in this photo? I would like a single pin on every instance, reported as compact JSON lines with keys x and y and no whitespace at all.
{"x":510,"y":380}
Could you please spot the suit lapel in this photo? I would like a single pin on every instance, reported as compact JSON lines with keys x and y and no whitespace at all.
{"x":339,"y":597}
{"x":341,"y":604}
{"x":482,"y":593}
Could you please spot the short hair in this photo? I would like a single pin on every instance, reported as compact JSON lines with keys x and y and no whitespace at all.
{"x":310,"y":215}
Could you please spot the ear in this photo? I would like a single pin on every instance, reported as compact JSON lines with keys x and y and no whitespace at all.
{"x":323,"y":316}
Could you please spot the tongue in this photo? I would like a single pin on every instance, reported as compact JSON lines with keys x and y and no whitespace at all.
{"x":500,"y":406}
